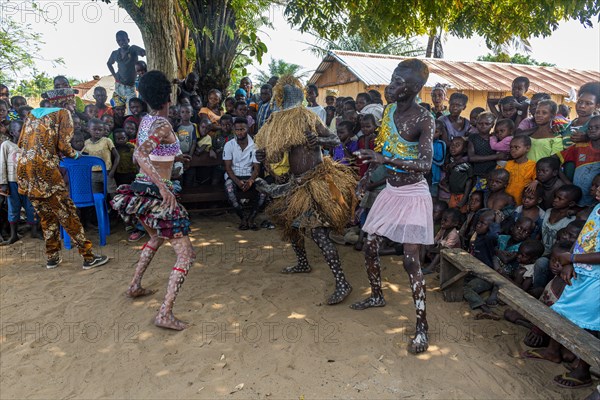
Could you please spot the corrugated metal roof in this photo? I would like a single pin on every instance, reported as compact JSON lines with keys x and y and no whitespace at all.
{"x":376,"y":69}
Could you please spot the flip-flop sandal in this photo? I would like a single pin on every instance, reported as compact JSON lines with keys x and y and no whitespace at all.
{"x":243,"y":226}
{"x":534,"y":355}
{"x":578,"y":383}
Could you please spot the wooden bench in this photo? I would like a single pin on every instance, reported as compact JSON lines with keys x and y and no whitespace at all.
{"x":456,"y":264}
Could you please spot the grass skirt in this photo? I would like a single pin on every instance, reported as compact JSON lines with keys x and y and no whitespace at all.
{"x":323,"y":197}
{"x":403,"y":214}
{"x":142,"y":201}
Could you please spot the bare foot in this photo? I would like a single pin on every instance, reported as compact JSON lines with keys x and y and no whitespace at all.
{"x":170,"y":322}
{"x":541,"y":354}
{"x":368,"y":303}
{"x":419,"y":343}
{"x":536,"y":338}
{"x":296,"y":269}
{"x":139,"y":292}
{"x":339,"y":295}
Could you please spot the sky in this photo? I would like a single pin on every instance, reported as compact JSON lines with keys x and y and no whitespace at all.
{"x":83,"y":36}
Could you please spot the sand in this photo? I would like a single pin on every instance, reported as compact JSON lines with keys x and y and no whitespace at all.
{"x":257,"y":334}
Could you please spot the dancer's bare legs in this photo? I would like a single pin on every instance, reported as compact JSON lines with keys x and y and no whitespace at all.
{"x":149,"y":249}
{"x":373,"y":267}
{"x":412,"y":265}
{"x":342,"y":287}
{"x":185,"y":259}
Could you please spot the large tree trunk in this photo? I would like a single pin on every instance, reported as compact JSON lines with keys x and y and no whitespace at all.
{"x":435,"y":48}
{"x":157,"y":22}
{"x":216,"y":39}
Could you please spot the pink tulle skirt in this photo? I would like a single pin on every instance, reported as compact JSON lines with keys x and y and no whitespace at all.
{"x":403,"y":214}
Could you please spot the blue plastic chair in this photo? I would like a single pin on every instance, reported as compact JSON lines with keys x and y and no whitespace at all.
{"x":79,"y":172}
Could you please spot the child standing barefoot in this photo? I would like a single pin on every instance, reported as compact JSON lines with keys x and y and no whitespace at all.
{"x":531,"y":209}
{"x":529,"y":251}
{"x":446,"y":238}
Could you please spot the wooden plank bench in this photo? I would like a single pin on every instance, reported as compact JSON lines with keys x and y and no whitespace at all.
{"x":456,"y":264}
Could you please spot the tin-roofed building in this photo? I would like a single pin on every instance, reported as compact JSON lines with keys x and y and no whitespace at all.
{"x":351,"y":73}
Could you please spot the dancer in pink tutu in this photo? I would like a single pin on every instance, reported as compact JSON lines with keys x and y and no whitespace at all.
{"x":403,"y":211}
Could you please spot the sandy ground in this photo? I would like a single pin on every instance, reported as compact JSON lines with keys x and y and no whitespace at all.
{"x":257,"y":334}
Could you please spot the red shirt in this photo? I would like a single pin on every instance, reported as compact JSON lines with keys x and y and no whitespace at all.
{"x":362,"y":144}
{"x":580,"y":154}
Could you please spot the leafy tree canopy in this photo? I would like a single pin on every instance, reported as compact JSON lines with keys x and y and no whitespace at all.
{"x":515,"y":59}
{"x":394,"y":45}
{"x":38,"y":84}
{"x":496,"y":20}
{"x":278,"y":67}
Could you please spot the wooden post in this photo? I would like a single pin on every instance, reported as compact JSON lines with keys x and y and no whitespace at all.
{"x":451,"y":280}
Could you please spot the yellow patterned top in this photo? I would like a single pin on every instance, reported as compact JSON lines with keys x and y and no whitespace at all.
{"x":390,"y":143}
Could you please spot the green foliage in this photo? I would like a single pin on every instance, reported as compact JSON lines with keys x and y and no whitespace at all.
{"x":38,"y":84}
{"x":34,"y":87}
{"x":498,"y":21}
{"x":395,"y":46}
{"x":279,"y":68}
{"x":19,"y":45}
{"x":515,"y":59}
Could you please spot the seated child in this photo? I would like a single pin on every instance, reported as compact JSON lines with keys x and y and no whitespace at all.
{"x":126,"y":169}
{"x":500,"y":140}
{"x":8,"y":186}
{"x":556,"y":218}
{"x":458,"y":180}
{"x":530,"y":208}
{"x":439,"y":207}
{"x":100,"y":146}
{"x":521,"y":169}
{"x":560,"y":215}
{"x":446,"y":238}
{"x":483,"y":247}
{"x":201,"y":174}
{"x":546,"y":175}
{"x":529,"y":252}
{"x":474,"y":206}
{"x":505,"y":261}
{"x":344,"y":152}
{"x":536,"y":337}
{"x":481,"y":154}
{"x":496,"y":197}
{"x":586,"y":157}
